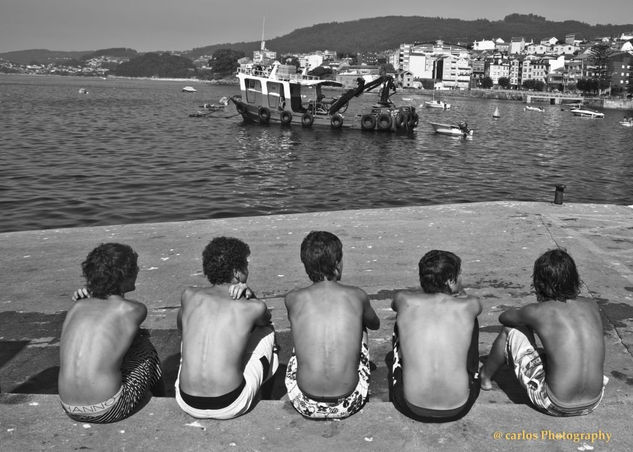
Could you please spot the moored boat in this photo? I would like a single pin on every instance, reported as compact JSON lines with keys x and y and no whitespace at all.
{"x":530,"y":108}
{"x":280,"y":95}
{"x":586,"y":113}
{"x":188,"y":89}
{"x":455,"y":130}
{"x":437,"y":104}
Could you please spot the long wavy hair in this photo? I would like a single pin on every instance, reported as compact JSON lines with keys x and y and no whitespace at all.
{"x":555,"y":276}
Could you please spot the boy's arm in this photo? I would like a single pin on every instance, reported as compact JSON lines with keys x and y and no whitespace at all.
{"x":474,"y":304}
{"x":80,"y":294}
{"x":370,"y":318}
{"x":395,"y":303}
{"x":236,"y":291}
{"x":263,"y":319}
{"x":524,"y":316}
{"x":179,"y":320}
{"x":139,"y":311}
{"x":186,"y":294}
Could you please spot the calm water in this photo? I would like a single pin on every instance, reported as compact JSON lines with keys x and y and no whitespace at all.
{"x":128,"y":152}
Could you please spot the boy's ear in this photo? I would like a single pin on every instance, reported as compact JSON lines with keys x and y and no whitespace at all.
{"x":452,"y":284}
{"x":338,"y":269}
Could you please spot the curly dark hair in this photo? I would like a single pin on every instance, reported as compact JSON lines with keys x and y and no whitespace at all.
{"x":436,"y":269}
{"x":555,"y":276}
{"x":320,"y":252}
{"x":222,"y":256}
{"x":107,"y":267}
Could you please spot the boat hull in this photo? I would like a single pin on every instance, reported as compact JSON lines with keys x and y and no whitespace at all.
{"x":587,"y":114}
{"x":379,"y":118}
{"x":451,"y":130}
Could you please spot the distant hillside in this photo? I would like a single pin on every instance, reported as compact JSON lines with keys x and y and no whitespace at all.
{"x":42,"y":56}
{"x":379,"y":33}
{"x":119,"y":52}
{"x":383,"y":33}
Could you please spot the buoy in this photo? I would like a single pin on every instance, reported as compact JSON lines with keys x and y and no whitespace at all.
{"x":496,"y":113}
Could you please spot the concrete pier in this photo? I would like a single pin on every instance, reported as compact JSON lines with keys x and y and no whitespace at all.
{"x":498,"y":243}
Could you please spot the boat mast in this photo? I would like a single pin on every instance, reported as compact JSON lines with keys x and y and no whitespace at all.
{"x":263,"y":45}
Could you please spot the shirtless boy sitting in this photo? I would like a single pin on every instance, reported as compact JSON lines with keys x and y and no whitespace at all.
{"x":328,"y":374}
{"x":569,"y":382}
{"x":435,"y":344}
{"x":108,"y":367}
{"x":228,"y":342}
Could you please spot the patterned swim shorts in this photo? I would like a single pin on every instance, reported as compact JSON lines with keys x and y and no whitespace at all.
{"x":336,"y":409}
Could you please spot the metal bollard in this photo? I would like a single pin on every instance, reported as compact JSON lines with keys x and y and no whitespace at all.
{"x":558,"y":194}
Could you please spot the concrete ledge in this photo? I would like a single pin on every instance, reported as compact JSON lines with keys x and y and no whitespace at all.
{"x":497,"y":242}
{"x":36,"y":422}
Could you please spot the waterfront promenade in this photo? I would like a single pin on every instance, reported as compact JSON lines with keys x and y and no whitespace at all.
{"x":497,"y":241}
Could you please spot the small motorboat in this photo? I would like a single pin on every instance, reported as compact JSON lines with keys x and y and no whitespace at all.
{"x":586,"y":113}
{"x":627,"y":122}
{"x":437,"y":104}
{"x":189,"y":89}
{"x":83,"y":91}
{"x":454,"y":130}
{"x":207,"y":109}
{"x":530,"y":108}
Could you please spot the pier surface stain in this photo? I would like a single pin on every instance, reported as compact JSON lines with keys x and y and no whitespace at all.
{"x":622,"y":377}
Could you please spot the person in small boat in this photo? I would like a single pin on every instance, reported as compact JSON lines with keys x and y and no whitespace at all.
{"x":328,"y":373}
{"x":463,"y":126}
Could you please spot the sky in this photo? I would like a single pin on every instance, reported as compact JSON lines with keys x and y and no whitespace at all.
{"x":150,"y":25}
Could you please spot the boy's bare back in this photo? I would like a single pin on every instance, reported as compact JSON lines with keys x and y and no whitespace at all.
{"x":96,"y":335}
{"x":327,"y":320}
{"x":216,"y":329}
{"x":572,"y":336}
{"x":435,"y":332}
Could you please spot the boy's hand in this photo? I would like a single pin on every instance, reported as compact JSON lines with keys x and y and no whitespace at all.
{"x":237,"y":291}
{"x":80,"y":294}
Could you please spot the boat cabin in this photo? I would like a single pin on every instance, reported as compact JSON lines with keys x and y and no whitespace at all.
{"x":281,"y":89}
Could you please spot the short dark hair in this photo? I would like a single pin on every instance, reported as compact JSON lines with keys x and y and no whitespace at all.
{"x":222,"y":256}
{"x":107,"y":267}
{"x":555,"y":276}
{"x":320,"y":252}
{"x":436,"y":269}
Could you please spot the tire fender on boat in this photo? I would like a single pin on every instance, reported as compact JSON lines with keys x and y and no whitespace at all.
{"x":337,"y":121}
{"x":307,"y":119}
{"x":384,"y":121}
{"x":285,"y":117}
{"x":241,"y":109}
{"x":401,"y":120}
{"x":367,"y":122}
{"x":264,"y":115}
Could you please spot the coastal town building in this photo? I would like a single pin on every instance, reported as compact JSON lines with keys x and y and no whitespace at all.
{"x":558,"y":64}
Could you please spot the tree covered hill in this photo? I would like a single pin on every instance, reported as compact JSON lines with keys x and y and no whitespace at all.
{"x":375,"y":34}
{"x":158,"y":65}
{"x":382,"y":33}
